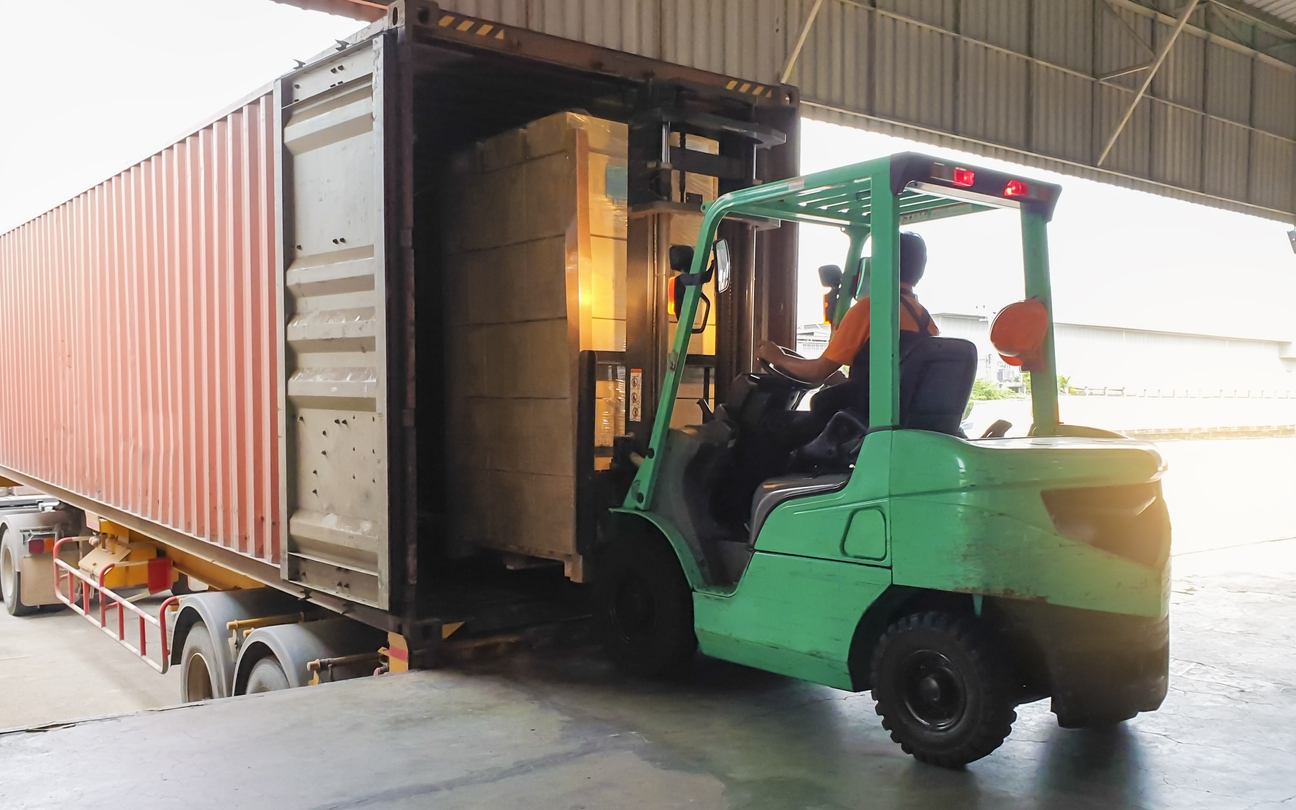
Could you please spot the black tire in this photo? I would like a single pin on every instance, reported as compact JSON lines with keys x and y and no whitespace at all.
{"x":11,"y":584}
{"x":266,"y":676}
{"x":644,"y":608}
{"x":199,"y":677}
{"x":942,"y":689}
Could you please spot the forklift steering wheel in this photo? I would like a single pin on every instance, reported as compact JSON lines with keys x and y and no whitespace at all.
{"x":772,"y":371}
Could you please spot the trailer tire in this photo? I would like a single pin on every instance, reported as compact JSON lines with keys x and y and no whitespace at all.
{"x":11,"y":584}
{"x":644,"y":608}
{"x":199,"y":666}
{"x":267,"y":676}
{"x":942,"y":689}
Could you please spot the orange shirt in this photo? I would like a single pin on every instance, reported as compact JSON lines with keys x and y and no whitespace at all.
{"x":853,"y":332}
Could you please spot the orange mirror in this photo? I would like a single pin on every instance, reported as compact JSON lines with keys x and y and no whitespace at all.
{"x":1018,"y":333}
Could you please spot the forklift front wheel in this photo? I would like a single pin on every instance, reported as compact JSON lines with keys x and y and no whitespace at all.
{"x":644,"y":607}
{"x":942,"y":690}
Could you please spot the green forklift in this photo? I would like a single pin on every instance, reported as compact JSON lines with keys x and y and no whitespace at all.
{"x":955,"y":577}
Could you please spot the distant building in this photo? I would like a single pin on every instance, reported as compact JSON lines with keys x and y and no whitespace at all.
{"x":1132,"y":362}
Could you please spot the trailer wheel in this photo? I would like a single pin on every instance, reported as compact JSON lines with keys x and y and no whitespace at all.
{"x":942,"y":689}
{"x":198,"y":666}
{"x":644,"y":608}
{"x":266,"y":676}
{"x":11,"y":584}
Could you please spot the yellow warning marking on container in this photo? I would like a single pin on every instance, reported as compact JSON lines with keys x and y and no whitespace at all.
{"x":485,"y":29}
{"x":746,"y":86}
{"x":760,"y":88}
{"x":464,"y":26}
{"x":500,"y":35}
{"x":446,"y":20}
{"x":732,"y":84}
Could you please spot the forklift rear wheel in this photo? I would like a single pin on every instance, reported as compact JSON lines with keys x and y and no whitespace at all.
{"x":11,"y":585}
{"x":644,"y":608}
{"x":942,"y":690}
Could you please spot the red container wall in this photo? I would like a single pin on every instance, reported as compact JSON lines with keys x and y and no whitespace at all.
{"x":140,"y":349}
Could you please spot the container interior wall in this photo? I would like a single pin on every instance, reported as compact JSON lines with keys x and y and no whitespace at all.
{"x":459,"y":103}
{"x":460,"y":100}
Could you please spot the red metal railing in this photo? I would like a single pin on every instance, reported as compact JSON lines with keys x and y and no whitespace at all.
{"x":111,"y":603}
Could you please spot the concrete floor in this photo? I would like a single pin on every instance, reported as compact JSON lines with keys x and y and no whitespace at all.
{"x":566,"y":731}
{"x":54,"y":666}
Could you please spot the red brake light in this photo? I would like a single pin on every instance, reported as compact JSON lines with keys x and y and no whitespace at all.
{"x":36,"y":546}
{"x":670,"y":297}
{"x":1016,"y":188}
{"x":964,"y":177}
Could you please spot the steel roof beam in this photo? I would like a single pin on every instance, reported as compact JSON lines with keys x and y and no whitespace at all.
{"x":1152,"y":72}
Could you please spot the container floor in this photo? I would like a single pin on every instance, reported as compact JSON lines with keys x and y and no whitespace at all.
{"x":562,"y":730}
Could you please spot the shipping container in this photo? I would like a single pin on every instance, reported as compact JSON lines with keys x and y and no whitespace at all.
{"x":273,"y":349}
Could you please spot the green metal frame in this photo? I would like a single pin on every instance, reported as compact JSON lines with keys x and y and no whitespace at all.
{"x":846,"y":197}
{"x":921,"y":510}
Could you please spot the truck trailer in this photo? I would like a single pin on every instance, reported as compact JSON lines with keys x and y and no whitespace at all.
{"x":358,"y":359}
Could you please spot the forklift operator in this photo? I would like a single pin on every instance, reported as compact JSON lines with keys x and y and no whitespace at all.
{"x":768,"y":452}
{"x":853,"y":333}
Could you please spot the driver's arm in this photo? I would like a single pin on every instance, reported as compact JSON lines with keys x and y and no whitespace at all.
{"x":810,"y":370}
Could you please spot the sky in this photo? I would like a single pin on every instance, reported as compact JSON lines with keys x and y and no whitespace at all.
{"x":116,"y":81}
{"x":92,"y":86}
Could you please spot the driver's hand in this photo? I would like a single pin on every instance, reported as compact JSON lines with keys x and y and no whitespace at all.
{"x":836,"y":378}
{"x":768,"y":351}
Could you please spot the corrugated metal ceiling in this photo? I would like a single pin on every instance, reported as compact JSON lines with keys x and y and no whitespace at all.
{"x":1042,"y":82}
{"x":1282,"y":9}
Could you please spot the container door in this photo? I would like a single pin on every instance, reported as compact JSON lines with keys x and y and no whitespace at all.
{"x":333,"y":376}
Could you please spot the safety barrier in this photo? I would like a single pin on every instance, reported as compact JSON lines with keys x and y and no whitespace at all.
{"x":110,"y":603}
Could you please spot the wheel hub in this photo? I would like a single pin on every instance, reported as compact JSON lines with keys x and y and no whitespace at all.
{"x":934,"y":692}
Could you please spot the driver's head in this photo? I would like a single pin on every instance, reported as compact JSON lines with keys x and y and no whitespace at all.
{"x":913,"y":257}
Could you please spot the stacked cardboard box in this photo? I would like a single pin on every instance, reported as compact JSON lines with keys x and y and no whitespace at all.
{"x":535,"y":274}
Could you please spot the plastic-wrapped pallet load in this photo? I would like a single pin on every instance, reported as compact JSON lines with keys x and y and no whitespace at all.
{"x":536,"y":251}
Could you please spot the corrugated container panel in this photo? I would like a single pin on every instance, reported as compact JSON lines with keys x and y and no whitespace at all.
{"x":834,"y":65}
{"x":142,"y":315}
{"x":993,"y":94}
{"x":915,"y":72}
{"x":1275,"y":100}
{"x":940,"y":13}
{"x":1180,"y":77}
{"x":1273,"y":171}
{"x":1227,"y":148}
{"x":1228,"y":83}
{"x":1005,"y":23}
{"x":1121,"y":47}
{"x":1062,"y":115}
{"x":1064,"y":33}
{"x":1130,"y":152}
{"x":1177,"y":145}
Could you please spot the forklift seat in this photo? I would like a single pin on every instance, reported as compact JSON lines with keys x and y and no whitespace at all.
{"x":936,"y":379}
{"x":777,"y":491}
